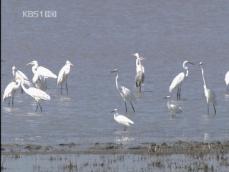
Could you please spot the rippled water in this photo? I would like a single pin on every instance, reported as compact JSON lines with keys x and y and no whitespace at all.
{"x":97,"y":36}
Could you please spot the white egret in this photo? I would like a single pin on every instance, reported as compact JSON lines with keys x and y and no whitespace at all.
{"x":63,"y":75}
{"x":19,"y":75}
{"x":209,"y":94}
{"x":125,"y":93}
{"x":178,"y":80}
{"x":227,"y":80}
{"x":140,"y":72}
{"x":39,"y":81}
{"x":173,"y":106}
{"x":41,"y":71}
{"x":10,"y":91}
{"x":40,"y":75}
{"x":121,"y":119}
{"x":36,"y":94}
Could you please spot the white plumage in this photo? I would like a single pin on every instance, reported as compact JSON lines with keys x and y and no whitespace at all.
{"x":10,"y":90}
{"x":173,"y":106}
{"x":19,"y":75}
{"x":227,"y":78}
{"x":41,"y":71}
{"x":125,"y":93}
{"x":63,"y":74}
{"x":178,"y":80}
{"x":40,"y":75}
{"x":36,"y":94}
{"x":140,"y":72}
{"x":209,"y":94}
{"x":121,"y":119}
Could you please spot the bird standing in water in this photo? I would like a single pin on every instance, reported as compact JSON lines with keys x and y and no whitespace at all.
{"x":63,"y":75}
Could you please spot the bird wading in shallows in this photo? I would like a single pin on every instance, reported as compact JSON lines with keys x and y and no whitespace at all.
{"x":173,"y":106}
{"x":209,"y":94}
{"x":226,"y":79}
{"x":10,"y":91}
{"x":63,"y":75}
{"x":140,"y":72}
{"x":36,"y":94}
{"x":40,"y":75}
{"x":125,"y":93}
{"x":178,"y":80}
{"x":19,"y":75}
{"x":121,"y":119}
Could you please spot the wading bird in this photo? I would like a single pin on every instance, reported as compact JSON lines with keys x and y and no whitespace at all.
{"x":173,"y":106}
{"x":125,"y":93}
{"x":63,"y":75}
{"x":227,"y":80}
{"x":121,"y":119}
{"x":40,"y":75}
{"x":36,"y":94}
{"x":209,"y":94}
{"x":39,"y":81}
{"x":140,"y":72}
{"x":178,"y":80}
{"x":10,"y":91}
{"x":19,"y":75}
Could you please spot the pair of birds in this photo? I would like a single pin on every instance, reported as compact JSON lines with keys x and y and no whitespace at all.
{"x":41,"y":74}
{"x":126,"y":94}
{"x":179,"y":79}
{"x":39,"y":80}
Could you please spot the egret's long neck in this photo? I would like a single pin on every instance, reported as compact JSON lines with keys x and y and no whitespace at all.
{"x":115,"y":114}
{"x":34,"y":68}
{"x":18,"y":84}
{"x":13,"y":72}
{"x":116,"y":82}
{"x":23,"y":87}
{"x":186,"y":70}
{"x":138,"y":62}
{"x":202,"y":71}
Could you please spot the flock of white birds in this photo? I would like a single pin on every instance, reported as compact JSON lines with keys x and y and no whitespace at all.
{"x":36,"y":89}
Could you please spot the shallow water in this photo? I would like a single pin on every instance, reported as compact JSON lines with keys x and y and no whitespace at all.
{"x":122,"y":163}
{"x":97,"y":36}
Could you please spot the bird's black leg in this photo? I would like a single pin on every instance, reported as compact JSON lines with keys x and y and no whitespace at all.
{"x":12,"y":101}
{"x":180,"y":92}
{"x":22,"y":91}
{"x":208,"y":108}
{"x":132,"y":106}
{"x":36,"y":107}
{"x":40,"y":106}
{"x":66,"y":86}
{"x":61,"y":88}
{"x":177,"y":93}
{"x":9,"y":102}
{"x":214,"y":108}
{"x":125,"y":106}
{"x":45,"y":84}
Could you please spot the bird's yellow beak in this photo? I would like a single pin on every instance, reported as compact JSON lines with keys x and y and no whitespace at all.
{"x":30,"y":63}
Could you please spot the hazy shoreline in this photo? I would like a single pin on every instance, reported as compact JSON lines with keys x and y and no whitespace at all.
{"x":179,"y":147}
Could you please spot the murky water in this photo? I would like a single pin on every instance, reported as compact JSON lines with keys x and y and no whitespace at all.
{"x":69,"y":163}
{"x":97,"y":36}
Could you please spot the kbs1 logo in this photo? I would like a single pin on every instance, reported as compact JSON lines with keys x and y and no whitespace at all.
{"x":39,"y":14}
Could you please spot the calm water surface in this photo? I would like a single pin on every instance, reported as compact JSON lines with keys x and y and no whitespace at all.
{"x":97,"y":36}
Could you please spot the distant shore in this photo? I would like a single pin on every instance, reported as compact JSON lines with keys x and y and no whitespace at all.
{"x":179,"y":147}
